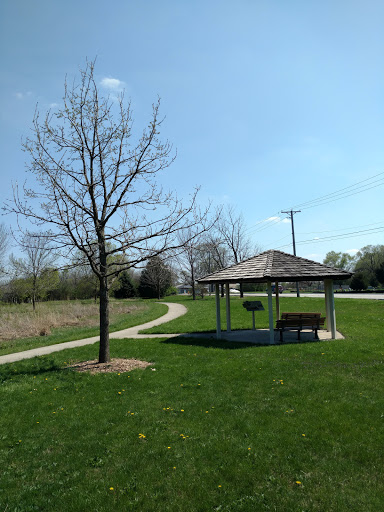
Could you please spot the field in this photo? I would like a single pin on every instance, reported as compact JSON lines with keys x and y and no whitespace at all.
{"x":209,"y":426}
{"x":57,"y":322}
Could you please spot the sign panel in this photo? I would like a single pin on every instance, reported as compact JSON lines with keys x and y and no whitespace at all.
{"x":254,"y":305}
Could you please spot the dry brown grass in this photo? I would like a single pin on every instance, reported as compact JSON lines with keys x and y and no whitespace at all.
{"x":19,"y":320}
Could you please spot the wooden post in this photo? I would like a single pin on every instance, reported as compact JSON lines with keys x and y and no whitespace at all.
{"x":270,"y":313}
{"x":218,"y":319}
{"x":277,"y":301}
{"x":228,"y":307}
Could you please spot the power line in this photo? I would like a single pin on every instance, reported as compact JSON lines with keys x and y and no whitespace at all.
{"x":267,"y":223}
{"x":341,"y":229}
{"x":341,"y":197}
{"x":356,"y":188}
{"x":338,"y":237}
{"x":343,"y":192}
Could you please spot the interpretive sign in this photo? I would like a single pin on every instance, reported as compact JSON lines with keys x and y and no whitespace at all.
{"x":254,"y":305}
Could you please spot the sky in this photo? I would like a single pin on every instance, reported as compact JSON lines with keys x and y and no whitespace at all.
{"x":270,"y":104}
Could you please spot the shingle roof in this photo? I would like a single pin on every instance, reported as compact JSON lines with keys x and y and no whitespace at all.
{"x":275,"y":266}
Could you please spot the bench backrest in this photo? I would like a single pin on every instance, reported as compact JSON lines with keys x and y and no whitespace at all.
{"x":301,"y":320}
{"x":297,"y":316}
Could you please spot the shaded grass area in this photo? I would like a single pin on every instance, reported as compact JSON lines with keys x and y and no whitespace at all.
{"x":216,"y":426}
{"x":139,"y":313}
{"x":201,"y":315}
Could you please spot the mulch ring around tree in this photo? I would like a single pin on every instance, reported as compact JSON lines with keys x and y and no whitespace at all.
{"x":114,"y":366}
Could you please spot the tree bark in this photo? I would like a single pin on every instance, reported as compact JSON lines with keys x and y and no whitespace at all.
{"x":193,"y":283}
{"x":104,"y":356}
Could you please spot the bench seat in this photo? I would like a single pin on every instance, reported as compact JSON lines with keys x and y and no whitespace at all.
{"x":299,"y":322}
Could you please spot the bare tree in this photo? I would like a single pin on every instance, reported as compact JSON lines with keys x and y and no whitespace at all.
{"x":4,"y":237}
{"x":97,"y":182}
{"x":37,"y":267}
{"x":188,"y":259}
{"x":232,"y":231}
{"x":194,"y":250}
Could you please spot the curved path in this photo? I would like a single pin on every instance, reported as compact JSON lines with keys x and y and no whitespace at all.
{"x":174,"y":311}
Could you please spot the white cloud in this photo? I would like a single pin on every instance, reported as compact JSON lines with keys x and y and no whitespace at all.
{"x":315,"y":257}
{"x":53,"y":105}
{"x":286,"y":220}
{"x":112,"y":83}
{"x":352,"y":252}
{"x":22,"y":95}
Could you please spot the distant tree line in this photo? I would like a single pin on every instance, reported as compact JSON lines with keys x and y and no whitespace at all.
{"x":27,"y":284}
{"x":367,"y":265}
{"x":36,"y":277}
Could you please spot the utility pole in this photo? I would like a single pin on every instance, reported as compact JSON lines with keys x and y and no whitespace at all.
{"x":291,"y":214}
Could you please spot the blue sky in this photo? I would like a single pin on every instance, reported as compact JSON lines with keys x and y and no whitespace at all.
{"x":270,"y":104}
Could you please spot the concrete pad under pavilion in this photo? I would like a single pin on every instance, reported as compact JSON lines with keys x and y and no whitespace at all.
{"x":273,"y":267}
{"x":262,"y":336}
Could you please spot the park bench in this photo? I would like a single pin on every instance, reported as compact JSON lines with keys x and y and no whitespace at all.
{"x":298,"y":322}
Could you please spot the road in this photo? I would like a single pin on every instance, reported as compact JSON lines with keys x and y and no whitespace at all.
{"x":371,"y":296}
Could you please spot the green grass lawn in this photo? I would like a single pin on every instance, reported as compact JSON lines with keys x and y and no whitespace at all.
{"x":216,"y":426}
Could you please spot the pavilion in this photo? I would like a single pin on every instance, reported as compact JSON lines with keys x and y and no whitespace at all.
{"x":274,"y":267}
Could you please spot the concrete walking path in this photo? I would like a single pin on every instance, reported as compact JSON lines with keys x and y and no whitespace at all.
{"x":174,"y":311}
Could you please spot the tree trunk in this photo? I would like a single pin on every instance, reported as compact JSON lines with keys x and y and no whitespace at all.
{"x":241,"y":290}
{"x":193,"y":284}
{"x":104,"y":356}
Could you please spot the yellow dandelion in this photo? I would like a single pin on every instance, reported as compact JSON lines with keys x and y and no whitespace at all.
{"x":298,"y":482}
{"x":111,"y":488}
{"x":219,"y":486}
{"x":169,"y":447}
{"x":303,"y":435}
{"x":182,"y":410}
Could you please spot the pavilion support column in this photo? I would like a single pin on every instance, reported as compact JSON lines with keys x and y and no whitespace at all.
{"x":270,"y":313}
{"x":327,"y":309}
{"x":277,"y":301}
{"x":218,"y":319}
{"x":330,"y":307}
{"x":228,"y":307}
